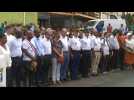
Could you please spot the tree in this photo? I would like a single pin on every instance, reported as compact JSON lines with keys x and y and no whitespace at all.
{"x":129,"y":21}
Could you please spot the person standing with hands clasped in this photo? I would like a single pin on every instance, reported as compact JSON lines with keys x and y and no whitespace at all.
{"x":64,"y":67}
{"x":5,"y":60}
{"x":57,"y":58}
{"x":29,"y":58}
{"x":75,"y":46}
{"x":96,"y":54}
{"x":86,"y":44}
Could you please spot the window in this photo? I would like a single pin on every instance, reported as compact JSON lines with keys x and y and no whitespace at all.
{"x":100,"y":26}
{"x":113,"y":17}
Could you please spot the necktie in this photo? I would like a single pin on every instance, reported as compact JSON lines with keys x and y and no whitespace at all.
{"x":37,"y":46}
{"x":108,"y":42}
{"x":33,"y":48}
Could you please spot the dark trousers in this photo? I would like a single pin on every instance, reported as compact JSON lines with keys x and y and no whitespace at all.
{"x":16,"y":73}
{"x":38,"y":74}
{"x":64,"y":67}
{"x":104,"y":63}
{"x":29,"y":75}
{"x":75,"y":64}
{"x":86,"y":63}
{"x":69,"y":72}
{"x":8,"y":77}
{"x":45,"y":68}
{"x":80,"y":64}
{"x":121,"y":58}
{"x":110,"y":61}
{"x":115,"y":59}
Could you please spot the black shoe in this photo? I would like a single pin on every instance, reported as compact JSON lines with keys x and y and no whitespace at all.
{"x":122,"y":68}
{"x":94,"y":74}
{"x":85,"y":76}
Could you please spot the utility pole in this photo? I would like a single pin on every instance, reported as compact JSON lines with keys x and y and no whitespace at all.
{"x":72,"y":20}
{"x":100,"y":15}
{"x":49,"y":20}
{"x":24,"y":17}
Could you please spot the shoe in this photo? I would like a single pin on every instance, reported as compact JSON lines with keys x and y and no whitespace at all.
{"x":63,"y":81}
{"x":94,"y":74}
{"x":104,"y":72}
{"x":59,"y":82}
{"x":54,"y":83}
{"x":85,"y":76}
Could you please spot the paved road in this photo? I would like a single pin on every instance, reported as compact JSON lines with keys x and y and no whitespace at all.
{"x":111,"y":79}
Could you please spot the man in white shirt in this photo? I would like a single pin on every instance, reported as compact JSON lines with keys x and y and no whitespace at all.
{"x":86,"y":43}
{"x":65,"y":43}
{"x":47,"y":58}
{"x":15,"y":46}
{"x":8,"y":32}
{"x":96,"y":54}
{"x":75,"y":46}
{"x":114,"y":44}
{"x":105,"y":53}
{"x":29,"y":58}
{"x":40,"y":50}
{"x":5,"y":61}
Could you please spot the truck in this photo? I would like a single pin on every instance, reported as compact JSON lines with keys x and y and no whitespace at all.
{"x":103,"y":23}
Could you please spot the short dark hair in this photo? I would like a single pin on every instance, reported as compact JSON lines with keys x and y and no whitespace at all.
{"x":37,"y":30}
{"x":8,"y":26}
{"x":19,"y":24}
{"x":2,"y":35}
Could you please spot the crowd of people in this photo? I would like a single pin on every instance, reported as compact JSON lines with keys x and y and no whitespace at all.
{"x":31,"y":56}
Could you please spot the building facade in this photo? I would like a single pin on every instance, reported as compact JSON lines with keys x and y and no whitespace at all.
{"x":66,"y":19}
{"x":77,"y":19}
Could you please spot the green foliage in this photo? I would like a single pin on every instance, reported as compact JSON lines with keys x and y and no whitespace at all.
{"x":18,"y":17}
{"x":130,"y":21}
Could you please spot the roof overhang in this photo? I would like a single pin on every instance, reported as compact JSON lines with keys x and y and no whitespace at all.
{"x":71,"y":14}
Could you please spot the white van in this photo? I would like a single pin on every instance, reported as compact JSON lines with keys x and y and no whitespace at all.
{"x":103,"y":23}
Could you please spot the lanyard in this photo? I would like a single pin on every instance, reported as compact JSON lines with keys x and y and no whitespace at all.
{"x":38,"y":50}
{"x":107,"y":41}
{"x":31,"y":45}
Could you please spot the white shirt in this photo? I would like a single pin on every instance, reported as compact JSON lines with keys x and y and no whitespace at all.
{"x":75,"y":43}
{"x":130,"y":43}
{"x":92,"y":37}
{"x":26,"y":45}
{"x":48,"y":46}
{"x":37,"y":42}
{"x":105,"y":47}
{"x":69,"y":42}
{"x":5,"y":61}
{"x":114,"y":44}
{"x":97,"y":44}
{"x":9,"y":38}
{"x":15,"y":46}
{"x":5,"y":58}
{"x":85,"y":43}
{"x":65,"y":43}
